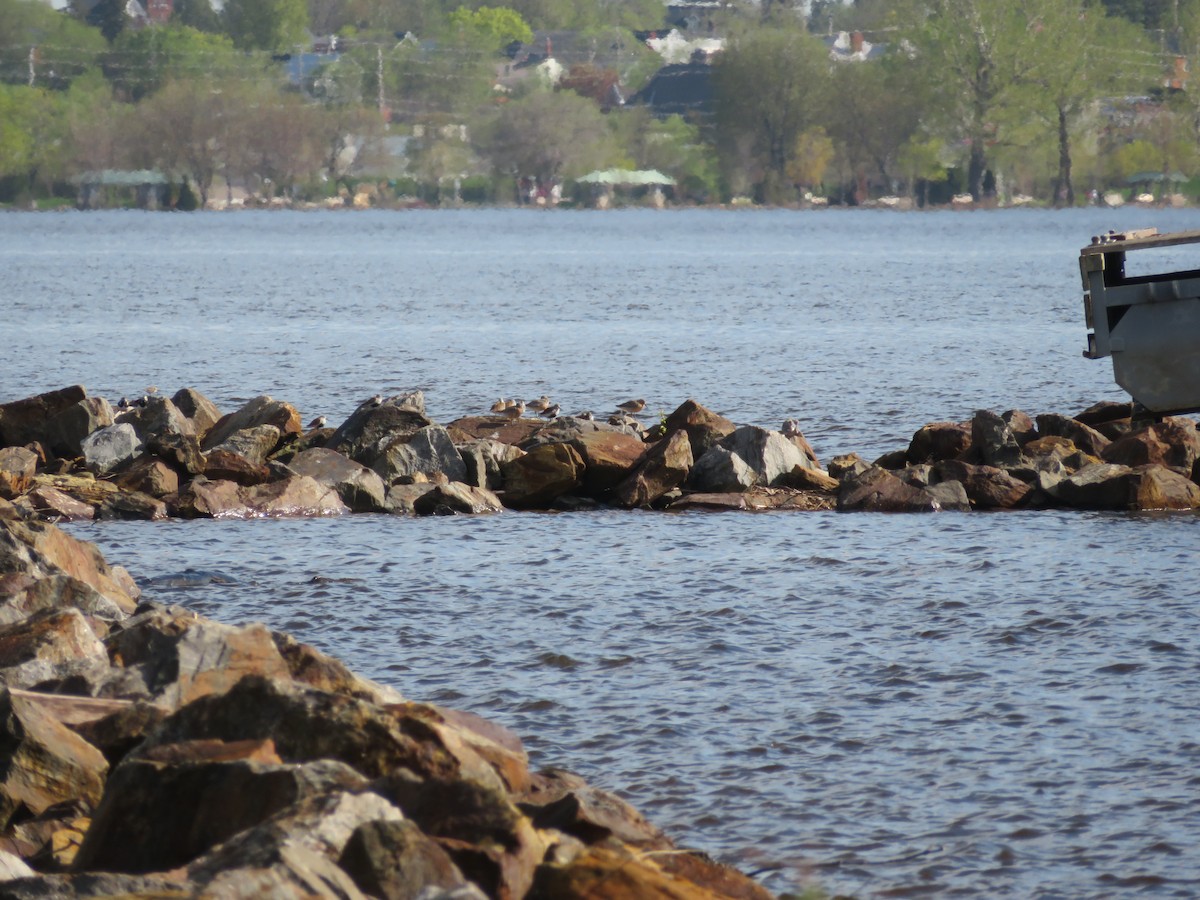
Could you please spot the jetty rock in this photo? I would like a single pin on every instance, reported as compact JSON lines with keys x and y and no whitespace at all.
{"x":150,"y":751}
{"x":182,"y":457}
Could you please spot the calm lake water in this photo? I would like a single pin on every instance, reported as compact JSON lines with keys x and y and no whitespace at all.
{"x":950,"y":705}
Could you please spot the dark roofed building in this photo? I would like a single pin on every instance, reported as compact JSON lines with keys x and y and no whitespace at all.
{"x":680,"y":89}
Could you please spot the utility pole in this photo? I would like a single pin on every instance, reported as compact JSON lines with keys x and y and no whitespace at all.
{"x":32,"y":65}
{"x":379,"y":79}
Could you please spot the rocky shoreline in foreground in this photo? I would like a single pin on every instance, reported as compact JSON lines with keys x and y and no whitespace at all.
{"x":149,"y":752}
{"x":65,"y":455}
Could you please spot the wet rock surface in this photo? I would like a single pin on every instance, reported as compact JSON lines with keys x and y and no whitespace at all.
{"x":149,"y":751}
{"x":182,"y":457}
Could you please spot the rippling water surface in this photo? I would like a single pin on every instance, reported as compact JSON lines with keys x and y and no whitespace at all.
{"x":949,"y":705}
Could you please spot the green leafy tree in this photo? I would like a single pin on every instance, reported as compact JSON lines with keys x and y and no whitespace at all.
{"x":550,"y":136}
{"x":491,"y":27}
{"x":32,"y":147}
{"x":1077,"y":55}
{"x":975,"y":51}
{"x":198,"y":14}
{"x":772,"y":84}
{"x":40,"y":47}
{"x":140,"y":62}
{"x":274,"y":25}
{"x":673,"y":146}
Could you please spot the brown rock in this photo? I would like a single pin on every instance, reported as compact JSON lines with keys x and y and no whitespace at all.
{"x":994,"y":440}
{"x":1098,"y":486}
{"x":149,"y":476}
{"x":402,"y":498}
{"x":542,"y":475}
{"x":163,"y":810}
{"x":455,"y":498}
{"x":51,"y":503}
{"x":1082,"y":436}
{"x":29,"y":647}
{"x":202,"y":412}
{"x":361,"y":489}
{"x":602,"y":873}
{"x":203,"y":498}
{"x":715,"y":501}
{"x":131,"y":505}
{"x":311,"y":667}
{"x":488,"y":838}
{"x":261,"y":410}
{"x":496,"y":745}
{"x":847,"y":464}
{"x":372,"y":428}
{"x":221,"y":464}
{"x":156,"y":418}
{"x":395,"y":861}
{"x":564,"y":801}
{"x":295,"y":496}
{"x":180,"y":451}
{"x":24,"y":421}
{"x":608,"y":458}
{"x":55,"y":550}
{"x":307,"y":724}
{"x":253,"y":444}
{"x":43,"y":762}
{"x":703,"y":426}
{"x":939,"y":440}
{"x":664,"y":467}
{"x":1157,"y":487}
{"x":17,"y":468}
{"x":1172,"y":442}
{"x":986,"y":486}
{"x":182,"y":658}
{"x":1023,"y":428}
{"x":878,"y":490}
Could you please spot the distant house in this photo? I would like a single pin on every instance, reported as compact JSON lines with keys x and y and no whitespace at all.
{"x":852,"y":46}
{"x":679,"y":89}
{"x":700,"y":16}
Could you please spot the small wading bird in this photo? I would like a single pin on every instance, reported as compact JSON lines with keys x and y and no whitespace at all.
{"x":318,"y":422}
{"x":791,"y":427}
{"x":632,"y":406}
{"x":551,"y":412}
{"x":586,"y":415}
{"x":515,"y":411}
{"x":500,"y":405}
{"x":541,"y":404}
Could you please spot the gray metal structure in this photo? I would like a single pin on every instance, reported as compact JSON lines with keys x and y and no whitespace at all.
{"x":1148,"y":324}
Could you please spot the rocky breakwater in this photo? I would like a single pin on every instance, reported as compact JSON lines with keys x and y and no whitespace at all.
{"x":148,"y":752}
{"x":66,"y":455}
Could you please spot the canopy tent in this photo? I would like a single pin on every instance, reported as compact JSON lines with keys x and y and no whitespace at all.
{"x":626,"y":177}
{"x":1142,"y":177}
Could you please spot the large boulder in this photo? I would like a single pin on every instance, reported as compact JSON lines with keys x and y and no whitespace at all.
{"x":768,"y":455}
{"x":395,"y":859}
{"x":24,"y":421}
{"x":65,"y":431}
{"x":149,"y":475}
{"x":1087,"y":439}
{"x":704,"y":427}
{"x":375,"y":425}
{"x":1173,"y":442}
{"x":107,"y":449}
{"x":360,"y":488}
{"x":157,"y":417}
{"x":427,"y":451}
{"x":1117,"y":487}
{"x":994,"y":441}
{"x":939,"y":440}
{"x":454,"y":498}
{"x":879,"y":490}
{"x":986,"y":486}
{"x":43,"y":762}
{"x":253,"y":444}
{"x":201,"y":411}
{"x":608,"y":458}
{"x":165,"y":807}
{"x":720,"y":470}
{"x":261,"y":410}
{"x":541,"y":476}
{"x":483,"y":459}
{"x":32,"y":649}
{"x":665,"y":467}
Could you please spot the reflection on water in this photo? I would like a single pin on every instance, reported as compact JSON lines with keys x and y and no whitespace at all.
{"x":978,"y":705}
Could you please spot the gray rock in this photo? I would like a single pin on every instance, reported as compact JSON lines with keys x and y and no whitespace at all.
{"x":456,"y":497}
{"x":483,"y":459}
{"x":261,"y":410}
{"x":108,"y":448}
{"x":372,"y":427}
{"x":719,"y":471}
{"x":428,"y":451}
{"x":157,"y":417}
{"x":202,"y":412}
{"x":950,"y":496}
{"x":994,"y":440}
{"x":360,"y":488}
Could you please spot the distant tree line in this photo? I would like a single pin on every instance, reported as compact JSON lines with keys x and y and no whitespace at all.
{"x":1048,"y":99}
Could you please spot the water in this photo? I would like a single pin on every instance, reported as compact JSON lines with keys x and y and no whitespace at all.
{"x":952,"y":705}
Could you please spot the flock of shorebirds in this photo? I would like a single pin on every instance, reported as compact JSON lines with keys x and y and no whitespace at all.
{"x":543,"y":406}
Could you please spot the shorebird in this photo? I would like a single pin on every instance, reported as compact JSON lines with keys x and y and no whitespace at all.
{"x":586,"y":415}
{"x":377,"y":400}
{"x":500,"y":405}
{"x":632,"y":406}
{"x":791,"y":427}
{"x":152,"y":389}
{"x":318,"y":422}
{"x":624,"y":420}
{"x":124,"y":403}
{"x":541,"y":404}
{"x":515,"y":411}
{"x":551,"y":412}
